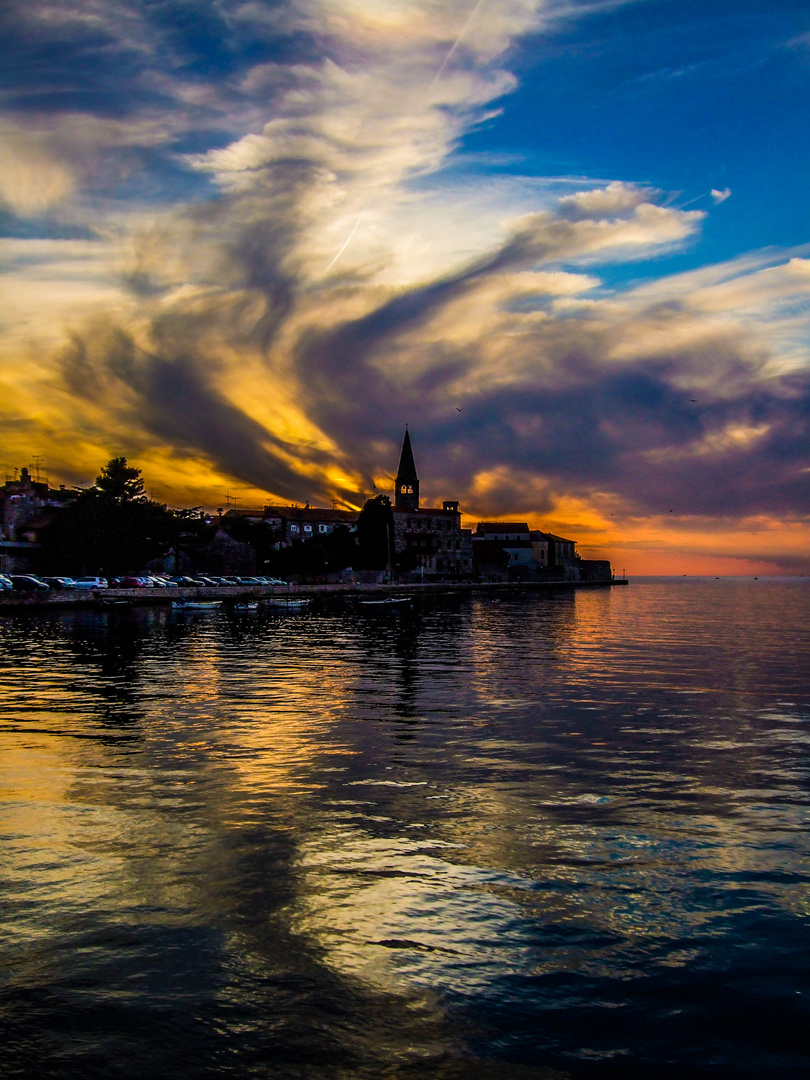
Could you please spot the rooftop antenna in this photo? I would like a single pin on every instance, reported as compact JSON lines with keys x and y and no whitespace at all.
{"x":38,"y":458}
{"x":231,"y":499}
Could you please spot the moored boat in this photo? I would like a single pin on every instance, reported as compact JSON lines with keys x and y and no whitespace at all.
{"x":195,"y":605}
{"x":390,"y":601}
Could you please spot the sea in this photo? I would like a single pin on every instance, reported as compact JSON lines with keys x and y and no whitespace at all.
{"x":498,"y":835}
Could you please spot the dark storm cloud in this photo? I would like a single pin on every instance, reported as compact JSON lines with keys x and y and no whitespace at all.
{"x":172,"y":400}
{"x":266,"y":141}
{"x":629,"y":433}
{"x":705,"y":430}
{"x":340,"y":367}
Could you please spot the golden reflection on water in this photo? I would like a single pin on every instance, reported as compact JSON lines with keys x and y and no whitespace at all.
{"x":426,"y":807}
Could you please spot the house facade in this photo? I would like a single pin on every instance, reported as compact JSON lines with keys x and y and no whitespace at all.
{"x":510,"y":549}
{"x":298,"y":522}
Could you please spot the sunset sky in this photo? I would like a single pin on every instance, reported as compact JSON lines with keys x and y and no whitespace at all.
{"x":244,"y":242}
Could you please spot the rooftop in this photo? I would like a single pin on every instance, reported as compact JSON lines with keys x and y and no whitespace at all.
{"x":296,"y":513}
{"x":503,"y":527}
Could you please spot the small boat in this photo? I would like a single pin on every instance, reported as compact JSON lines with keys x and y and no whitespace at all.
{"x":195,"y":605}
{"x":389,"y":601}
{"x":280,"y":602}
{"x":246,"y":605}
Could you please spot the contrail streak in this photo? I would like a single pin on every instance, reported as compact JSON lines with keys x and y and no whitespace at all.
{"x":455,"y":45}
{"x":346,"y":244}
{"x":436,"y":78}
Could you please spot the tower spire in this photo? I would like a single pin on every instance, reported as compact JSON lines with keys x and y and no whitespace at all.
{"x":407,"y":483}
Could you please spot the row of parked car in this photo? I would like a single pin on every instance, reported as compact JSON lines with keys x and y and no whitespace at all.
{"x":35,"y":583}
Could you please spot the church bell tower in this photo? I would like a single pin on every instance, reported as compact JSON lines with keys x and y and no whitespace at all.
{"x":407,"y":483}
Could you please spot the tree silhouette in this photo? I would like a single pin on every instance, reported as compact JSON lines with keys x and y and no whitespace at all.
{"x":120,"y":482}
{"x":375,"y":533}
{"x":112,"y":527}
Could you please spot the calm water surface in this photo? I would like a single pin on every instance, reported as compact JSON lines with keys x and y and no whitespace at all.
{"x":519,"y":836}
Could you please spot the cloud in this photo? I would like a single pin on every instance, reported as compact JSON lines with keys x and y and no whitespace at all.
{"x":720,"y":196}
{"x":614,"y":200}
{"x":207,"y":313}
{"x":32,"y":180}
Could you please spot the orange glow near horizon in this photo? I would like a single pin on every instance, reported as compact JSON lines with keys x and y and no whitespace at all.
{"x":652,"y":546}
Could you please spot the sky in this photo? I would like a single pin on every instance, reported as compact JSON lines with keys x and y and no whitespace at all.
{"x":243,"y":243}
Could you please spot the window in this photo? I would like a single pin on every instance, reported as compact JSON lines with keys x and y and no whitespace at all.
{"x":308,"y":528}
{"x":323,"y":528}
{"x":293,"y":528}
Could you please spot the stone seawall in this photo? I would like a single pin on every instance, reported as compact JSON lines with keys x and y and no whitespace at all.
{"x":150,"y":597}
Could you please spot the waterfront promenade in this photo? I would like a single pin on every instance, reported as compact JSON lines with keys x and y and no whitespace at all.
{"x":237,"y":593}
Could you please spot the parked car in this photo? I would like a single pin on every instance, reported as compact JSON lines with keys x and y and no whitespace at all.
{"x":59,"y":582}
{"x":91,"y":583}
{"x":5,"y":582}
{"x":248,"y":581}
{"x":189,"y":582}
{"x":28,"y":583}
{"x":129,"y":582}
{"x":275,"y":581}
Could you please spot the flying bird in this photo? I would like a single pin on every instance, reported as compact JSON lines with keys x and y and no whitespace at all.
{"x":458,"y":409}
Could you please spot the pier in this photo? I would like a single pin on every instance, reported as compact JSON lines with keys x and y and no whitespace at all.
{"x":157,"y":597}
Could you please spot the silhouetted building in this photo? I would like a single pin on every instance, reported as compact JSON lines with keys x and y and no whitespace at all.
{"x":306,"y":522}
{"x":514,"y":539}
{"x":297,"y":522}
{"x":524,"y":552}
{"x":563,"y":560}
{"x":595,"y":570}
{"x":224,"y":555}
{"x":490,"y":560}
{"x":503,"y":530}
{"x":433,"y":539}
{"x":26,"y":507}
{"x":406,"y":491}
